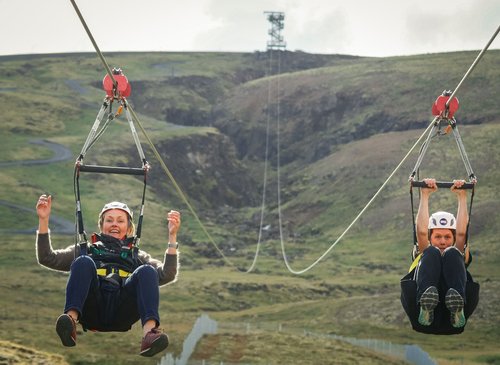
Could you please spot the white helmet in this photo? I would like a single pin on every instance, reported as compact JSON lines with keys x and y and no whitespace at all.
{"x":442,"y":220}
{"x":116,"y":205}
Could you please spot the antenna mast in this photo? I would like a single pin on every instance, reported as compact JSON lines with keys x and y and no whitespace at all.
{"x":277,"y":20}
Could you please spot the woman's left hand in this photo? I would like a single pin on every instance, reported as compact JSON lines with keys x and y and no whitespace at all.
{"x":174,"y":222}
{"x":457,"y":184}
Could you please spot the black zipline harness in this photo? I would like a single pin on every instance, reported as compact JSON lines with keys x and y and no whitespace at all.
{"x":443,"y":108}
{"x":117,"y":89}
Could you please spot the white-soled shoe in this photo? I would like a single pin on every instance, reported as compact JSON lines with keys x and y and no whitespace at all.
{"x":428,"y":302}
{"x":455,"y":304}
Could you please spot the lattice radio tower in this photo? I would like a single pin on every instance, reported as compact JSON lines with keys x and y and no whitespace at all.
{"x":277,"y":20}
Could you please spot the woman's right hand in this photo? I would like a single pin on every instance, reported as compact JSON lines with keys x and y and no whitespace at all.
{"x":431,"y":186}
{"x":43,"y":206}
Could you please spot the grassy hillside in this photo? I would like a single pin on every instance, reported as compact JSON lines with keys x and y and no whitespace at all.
{"x":12,"y":353}
{"x":345,"y":123}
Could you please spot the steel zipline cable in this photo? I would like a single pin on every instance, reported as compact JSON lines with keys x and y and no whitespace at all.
{"x":191,"y":209}
{"x":174,"y":182}
{"x":266,"y":161}
{"x":298,"y":272}
{"x":474,"y":64}
{"x":160,"y":159}
{"x":89,"y":34}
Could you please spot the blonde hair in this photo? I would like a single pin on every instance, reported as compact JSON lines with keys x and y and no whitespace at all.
{"x":131,"y":225}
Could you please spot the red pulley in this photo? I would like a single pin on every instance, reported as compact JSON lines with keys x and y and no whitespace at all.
{"x":123,"y":87}
{"x":439,"y":106}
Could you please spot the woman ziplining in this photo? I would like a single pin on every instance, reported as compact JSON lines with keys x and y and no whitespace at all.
{"x":112,"y":283}
{"x":438,"y":293}
{"x":115,"y":284}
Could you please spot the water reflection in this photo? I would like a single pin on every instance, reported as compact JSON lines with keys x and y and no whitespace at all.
{"x":204,"y":325}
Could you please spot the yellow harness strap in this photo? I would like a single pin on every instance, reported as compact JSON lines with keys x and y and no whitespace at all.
{"x":417,"y":259}
{"x":415,"y":263}
{"x":122,"y":273}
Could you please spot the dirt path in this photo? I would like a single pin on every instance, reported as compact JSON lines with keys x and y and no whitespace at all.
{"x":60,"y":153}
{"x":58,"y":224}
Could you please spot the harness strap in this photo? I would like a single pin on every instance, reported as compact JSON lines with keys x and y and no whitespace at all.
{"x":424,"y":147}
{"x":468,"y":222}
{"x":80,"y":236}
{"x":461,"y":149}
{"x":415,"y":241}
{"x":111,"y":270}
{"x":415,"y":262}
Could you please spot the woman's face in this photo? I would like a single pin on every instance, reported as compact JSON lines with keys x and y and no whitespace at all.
{"x":115,"y":223}
{"x":442,"y":238}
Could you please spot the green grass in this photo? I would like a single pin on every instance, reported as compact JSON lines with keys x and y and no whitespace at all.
{"x":354,"y":291}
{"x":338,"y":303}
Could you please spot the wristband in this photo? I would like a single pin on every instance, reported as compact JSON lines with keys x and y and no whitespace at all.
{"x":173,"y":245}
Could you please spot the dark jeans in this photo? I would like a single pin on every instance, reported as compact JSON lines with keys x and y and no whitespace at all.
{"x":442,"y":271}
{"x":104,"y":306}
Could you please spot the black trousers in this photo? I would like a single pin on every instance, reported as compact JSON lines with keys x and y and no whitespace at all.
{"x":444,"y":272}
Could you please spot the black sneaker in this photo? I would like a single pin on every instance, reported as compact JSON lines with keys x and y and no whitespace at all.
{"x":428,"y":301}
{"x":66,"y":329}
{"x":455,"y":304}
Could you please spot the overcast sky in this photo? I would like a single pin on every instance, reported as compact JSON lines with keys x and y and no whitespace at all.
{"x":356,"y":27}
